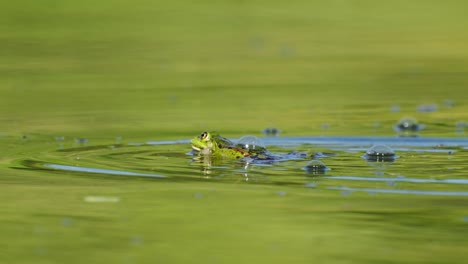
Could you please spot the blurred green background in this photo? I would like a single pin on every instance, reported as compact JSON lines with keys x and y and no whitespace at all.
{"x":142,"y":67}
{"x":154,"y":70}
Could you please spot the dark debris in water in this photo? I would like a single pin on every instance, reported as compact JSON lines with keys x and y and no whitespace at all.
{"x":271,"y":131}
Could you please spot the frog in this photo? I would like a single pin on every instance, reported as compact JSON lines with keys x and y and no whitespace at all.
{"x":247,"y":148}
{"x":211,"y":143}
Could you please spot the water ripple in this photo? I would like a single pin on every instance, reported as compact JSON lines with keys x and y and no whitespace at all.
{"x":417,"y":192}
{"x":101,"y":171}
{"x":399,"y":179}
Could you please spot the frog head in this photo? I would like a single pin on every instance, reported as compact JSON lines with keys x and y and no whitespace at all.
{"x":205,"y":143}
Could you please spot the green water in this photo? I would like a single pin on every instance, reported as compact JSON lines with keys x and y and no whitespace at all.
{"x":121,"y":74}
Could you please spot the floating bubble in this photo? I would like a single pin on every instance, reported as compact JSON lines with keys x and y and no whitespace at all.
{"x":395,"y":108}
{"x":271,"y":131}
{"x":460,"y":127}
{"x":81,"y":141}
{"x":66,"y":222}
{"x":136,"y":240}
{"x":408,"y":126}
{"x":281,"y":193}
{"x":250,"y":143}
{"x":315,"y":167}
{"x":380,"y":153}
{"x":449,"y":103}
{"x":310,"y":185}
{"x":427,"y":108}
{"x":461,"y":124}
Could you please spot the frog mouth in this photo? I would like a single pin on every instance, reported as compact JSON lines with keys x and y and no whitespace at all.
{"x":196,"y":148}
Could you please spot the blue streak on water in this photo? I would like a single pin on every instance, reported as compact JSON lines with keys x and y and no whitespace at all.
{"x":360,"y":141}
{"x":416,"y":192}
{"x":101,"y":171}
{"x":347,"y":141}
{"x":354,"y":178}
{"x":169,"y":142}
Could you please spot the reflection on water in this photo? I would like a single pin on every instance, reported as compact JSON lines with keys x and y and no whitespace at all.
{"x":376,"y":190}
{"x":423,"y":167}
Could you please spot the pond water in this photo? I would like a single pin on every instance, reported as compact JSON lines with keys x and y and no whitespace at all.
{"x":330,"y":163}
{"x":363,"y":103}
{"x":380,"y":191}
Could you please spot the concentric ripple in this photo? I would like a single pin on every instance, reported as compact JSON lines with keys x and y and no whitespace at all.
{"x":432,"y":166}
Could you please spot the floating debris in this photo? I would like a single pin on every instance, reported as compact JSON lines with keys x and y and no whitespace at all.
{"x":316,"y":167}
{"x":408,"y":126}
{"x":380,"y":153}
{"x":271,"y":132}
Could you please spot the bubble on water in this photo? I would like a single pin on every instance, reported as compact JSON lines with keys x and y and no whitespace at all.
{"x":345,"y":193}
{"x":310,"y":185}
{"x":271,"y":131}
{"x":380,"y":153}
{"x":315,"y":167}
{"x":379,"y":173}
{"x":465,"y":218}
{"x":391,"y":183}
{"x":449,"y":103}
{"x":287,"y":51}
{"x":427,"y":108}
{"x":67,"y":222}
{"x":136,"y":240}
{"x":461,"y":124}
{"x":408,"y":126}
{"x":460,"y":127}
{"x":81,"y":141}
{"x":250,"y":143}
{"x":281,"y":193}
{"x":59,"y":138}
{"x":395,"y":108}
{"x":198,"y":195}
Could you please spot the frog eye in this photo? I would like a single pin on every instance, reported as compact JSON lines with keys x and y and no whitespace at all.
{"x":203,"y":135}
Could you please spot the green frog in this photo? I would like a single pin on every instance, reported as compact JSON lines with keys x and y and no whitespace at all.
{"x":211,"y":143}
{"x":249,"y":147}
